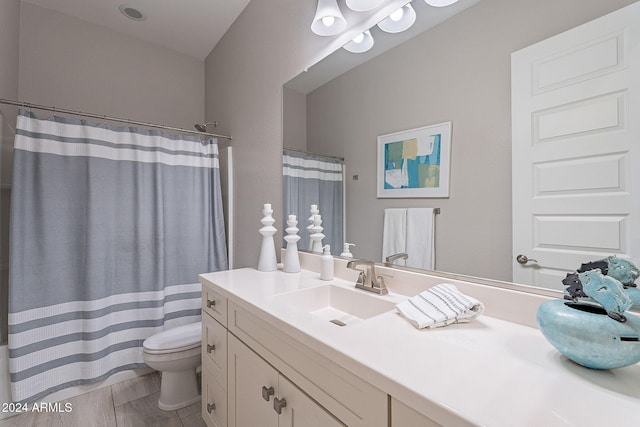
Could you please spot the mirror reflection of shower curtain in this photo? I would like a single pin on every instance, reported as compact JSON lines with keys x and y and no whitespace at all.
{"x":310,"y":179}
{"x":110,"y":227}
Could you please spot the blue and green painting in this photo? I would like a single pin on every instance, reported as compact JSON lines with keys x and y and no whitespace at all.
{"x":413,"y":163}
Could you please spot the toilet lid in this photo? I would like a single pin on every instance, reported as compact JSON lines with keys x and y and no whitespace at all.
{"x":178,"y":338}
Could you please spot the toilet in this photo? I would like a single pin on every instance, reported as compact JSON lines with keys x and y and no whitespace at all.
{"x":176,"y":354}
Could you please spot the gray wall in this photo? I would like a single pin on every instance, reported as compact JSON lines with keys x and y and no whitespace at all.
{"x":76,"y":65}
{"x":9,"y":35}
{"x":267,"y":45}
{"x":458,"y":71}
{"x":294,"y":119}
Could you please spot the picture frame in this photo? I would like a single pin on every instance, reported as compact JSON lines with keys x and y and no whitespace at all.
{"x":415,"y":163}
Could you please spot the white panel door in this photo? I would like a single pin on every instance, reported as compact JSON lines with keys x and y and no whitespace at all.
{"x":576,"y":158}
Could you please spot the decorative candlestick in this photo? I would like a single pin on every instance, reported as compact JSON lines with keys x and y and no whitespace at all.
{"x":317,"y":236}
{"x":291,"y":259}
{"x":267,"y":260}
{"x":314,"y":212}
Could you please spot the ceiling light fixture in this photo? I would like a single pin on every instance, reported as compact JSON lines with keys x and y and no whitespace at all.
{"x":328,"y":20}
{"x":363,"y":5}
{"x":361,"y":43}
{"x":400,"y":20}
{"x":440,"y":3}
{"x":132,"y":13}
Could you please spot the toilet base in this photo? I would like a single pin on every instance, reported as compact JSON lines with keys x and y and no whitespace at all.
{"x":178,"y":389}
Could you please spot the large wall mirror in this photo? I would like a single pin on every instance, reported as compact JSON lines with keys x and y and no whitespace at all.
{"x":458,"y":71}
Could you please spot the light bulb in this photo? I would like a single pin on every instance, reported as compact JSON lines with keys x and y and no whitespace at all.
{"x":399,"y":20}
{"x":397,"y":15}
{"x":361,"y":43}
{"x":328,"y":21}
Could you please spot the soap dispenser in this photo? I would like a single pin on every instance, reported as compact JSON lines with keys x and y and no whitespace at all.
{"x":326,"y":264}
{"x":345,"y":250}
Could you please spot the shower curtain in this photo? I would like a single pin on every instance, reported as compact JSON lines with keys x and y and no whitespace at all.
{"x":110,"y":227}
{"x":313,"y":179}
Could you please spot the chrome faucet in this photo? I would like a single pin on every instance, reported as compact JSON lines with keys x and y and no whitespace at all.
{"x":392,"y":258}
{"x":368,"y":280}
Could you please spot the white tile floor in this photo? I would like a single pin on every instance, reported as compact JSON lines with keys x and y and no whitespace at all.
{"x":131,"y":403}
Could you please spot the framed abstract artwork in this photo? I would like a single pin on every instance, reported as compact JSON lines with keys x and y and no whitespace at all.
{"x":415,"y":163}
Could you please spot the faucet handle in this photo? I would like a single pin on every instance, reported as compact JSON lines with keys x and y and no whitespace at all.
{"x":379,"y":284}
{"x":361,"y":277}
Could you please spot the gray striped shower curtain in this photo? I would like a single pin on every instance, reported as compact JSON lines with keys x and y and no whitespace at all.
{"x":110,"y":227}
{"x":310,"y":179}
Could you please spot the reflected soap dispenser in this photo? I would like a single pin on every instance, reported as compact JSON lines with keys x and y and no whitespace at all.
{"x":345,"y":250}
{"x":326,"y":264}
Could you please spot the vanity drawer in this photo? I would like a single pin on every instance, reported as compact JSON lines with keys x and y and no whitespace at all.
{"x":214,"y":349}
{"x":214,"y":304}
{"x":214,"y":400}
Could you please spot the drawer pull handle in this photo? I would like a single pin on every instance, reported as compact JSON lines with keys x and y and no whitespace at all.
{"x":210,"y":303}
{"x":267,"y":393}
{"x":278,"y":404}
{"x":211,"y":407}
{"x":210,"y":348}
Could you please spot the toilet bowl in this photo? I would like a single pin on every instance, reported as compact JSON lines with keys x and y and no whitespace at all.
{"x":176,"y":354}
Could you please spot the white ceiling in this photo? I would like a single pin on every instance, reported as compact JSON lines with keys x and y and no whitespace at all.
{"x":192,"y":27}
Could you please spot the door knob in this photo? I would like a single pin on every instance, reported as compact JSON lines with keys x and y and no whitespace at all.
{"x":523,"y":259}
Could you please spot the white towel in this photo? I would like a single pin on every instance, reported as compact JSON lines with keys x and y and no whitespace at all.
{"x":394,"y":233}
{"x":440,"y":305}
{"x":420,"y":238}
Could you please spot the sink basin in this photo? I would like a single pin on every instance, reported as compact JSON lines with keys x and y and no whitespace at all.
{"x":342,"y":306}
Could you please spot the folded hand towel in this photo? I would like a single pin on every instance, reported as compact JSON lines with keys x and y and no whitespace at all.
{"x":440,"y":305}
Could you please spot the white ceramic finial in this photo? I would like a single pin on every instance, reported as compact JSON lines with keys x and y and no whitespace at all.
{"x":291,"y":258}
{"x":317,"y":236}
{"x":267,"y":260}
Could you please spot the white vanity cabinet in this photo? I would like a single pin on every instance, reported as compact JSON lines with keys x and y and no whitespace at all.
{"x":264,"y":397}
{"x":251,"y":369}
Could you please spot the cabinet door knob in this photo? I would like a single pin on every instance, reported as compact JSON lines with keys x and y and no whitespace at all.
{"x":211,"y":407}
{"x":210,"y":348}
{"x":267,"y":393}
{"x":210,"y":303}
{"x":278,"y":404}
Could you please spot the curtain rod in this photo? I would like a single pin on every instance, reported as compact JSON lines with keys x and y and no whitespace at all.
{"x":313,"y":154}
{"x":103,"y":117}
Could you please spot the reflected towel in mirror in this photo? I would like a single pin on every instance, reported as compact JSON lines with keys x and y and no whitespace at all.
{"x":420,"y":238}
{"x":394,"y":233}
{"x":412,"y":231}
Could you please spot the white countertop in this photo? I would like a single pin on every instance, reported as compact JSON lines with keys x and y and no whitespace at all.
{"x":489,"y":372}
